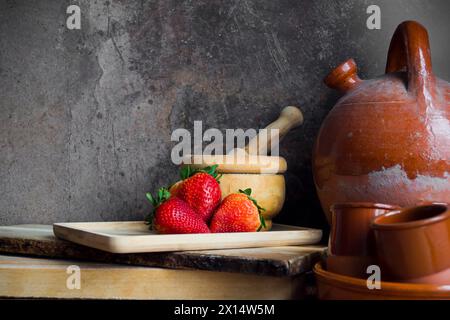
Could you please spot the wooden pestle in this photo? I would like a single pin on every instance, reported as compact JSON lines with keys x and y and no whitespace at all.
{"x":290,"y":117}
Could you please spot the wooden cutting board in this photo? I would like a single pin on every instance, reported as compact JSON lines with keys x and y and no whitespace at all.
{"x":39,"y":240}
{"x":135,"y":237}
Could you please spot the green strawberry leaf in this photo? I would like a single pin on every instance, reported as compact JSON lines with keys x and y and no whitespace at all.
{"x":263,"y":222}
{"x":162,"y":195}
{"x":150,"y":198}
{"x":187,"y":172}
{"x":149,"y":220}
{"x":248,"y":192}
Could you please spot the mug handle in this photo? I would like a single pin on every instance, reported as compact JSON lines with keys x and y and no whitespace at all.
{"x":410,"y":51}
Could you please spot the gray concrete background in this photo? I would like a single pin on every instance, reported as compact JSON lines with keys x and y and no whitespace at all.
{"x":86,"y":116}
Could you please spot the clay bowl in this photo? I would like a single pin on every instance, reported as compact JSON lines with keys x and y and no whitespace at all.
{"x":413,"y":244}
{"x":333,"y":286}
{"x":352,"y":247}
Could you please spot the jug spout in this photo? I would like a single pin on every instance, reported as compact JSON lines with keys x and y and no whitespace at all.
{"x":344,"y":77}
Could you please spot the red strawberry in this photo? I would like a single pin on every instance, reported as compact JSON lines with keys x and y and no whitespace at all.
{"x":201,"y":190}
{"x":238,"y":212}
{"x":173,"y":215}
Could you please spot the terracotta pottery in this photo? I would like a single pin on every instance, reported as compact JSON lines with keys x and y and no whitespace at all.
{"x":333,"y":286}
{"x":351,"y":234}
{"x":413,"y":244}
{"x":352,"y":266}
{"x":351,"y":247}
{"x":387,"y":139}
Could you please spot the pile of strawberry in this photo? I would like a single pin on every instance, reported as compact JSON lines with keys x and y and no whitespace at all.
{"x":193,"y":205}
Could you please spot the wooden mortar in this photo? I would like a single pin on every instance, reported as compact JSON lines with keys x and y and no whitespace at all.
{"x":263,"y":174}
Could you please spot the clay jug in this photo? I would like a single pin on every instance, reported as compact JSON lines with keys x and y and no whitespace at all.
{"x":387,"y":139}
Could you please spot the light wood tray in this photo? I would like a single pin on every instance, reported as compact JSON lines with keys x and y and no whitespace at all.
{"x":134,"y":237}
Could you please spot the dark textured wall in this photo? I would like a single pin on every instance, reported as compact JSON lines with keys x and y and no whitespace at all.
{"x":86,"y":115}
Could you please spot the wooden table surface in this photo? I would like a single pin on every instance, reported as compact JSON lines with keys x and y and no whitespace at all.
{"x":289,"y":261}
{"x":259,"y":273}
{"x":24,"y":277}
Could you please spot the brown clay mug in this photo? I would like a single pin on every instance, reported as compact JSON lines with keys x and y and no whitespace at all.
{"x":351,"y":247}
{"x":413,"y":244}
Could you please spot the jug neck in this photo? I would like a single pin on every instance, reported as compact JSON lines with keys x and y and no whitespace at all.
{"x":344,"y":77}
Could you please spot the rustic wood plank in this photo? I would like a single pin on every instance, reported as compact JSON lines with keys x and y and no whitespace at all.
{"x":38,"y":240}
{"x":47,"y":278}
